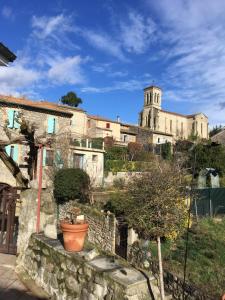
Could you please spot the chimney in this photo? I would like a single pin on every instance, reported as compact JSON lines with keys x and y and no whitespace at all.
{"x":118,"y":119}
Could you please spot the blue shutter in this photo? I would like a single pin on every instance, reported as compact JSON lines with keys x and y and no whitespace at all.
{"x":16,"y":125}
{"x":16,"y":153}
{"x":10,"y":118}
{"x":44,"y":157}
{"x":8,"y":149}
{"x":51,"y":125}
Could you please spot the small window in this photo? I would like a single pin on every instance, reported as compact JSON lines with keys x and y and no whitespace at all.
{"x":89,"y":123}
{"x":125,"y":138}
{"x":171,"y":125}
{"x":12,"y":119}
{"x":13,"y":152}
{"x":51,"y":125}
{"x":201,"y":128}
{"x":108,"y":125}
{"x":49,"y":158}
{"x":95,"y":158}
{"x":78,"y":161}
{"x":158,"y":140}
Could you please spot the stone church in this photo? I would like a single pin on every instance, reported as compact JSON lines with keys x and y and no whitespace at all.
{"x":169,"y":126}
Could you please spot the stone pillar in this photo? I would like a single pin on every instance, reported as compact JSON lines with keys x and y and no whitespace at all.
{"x":28,"y":217}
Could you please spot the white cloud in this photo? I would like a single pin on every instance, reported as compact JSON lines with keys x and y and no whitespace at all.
{"x":137,"y":33}
{"x":129,"y":86}
{"x":66,"y":70}
{"x":105,"y":43}
{"x":194,"y":51}
{"x":16,"y":78}
{"x":50,"y":26}
{"x":7,"y":12}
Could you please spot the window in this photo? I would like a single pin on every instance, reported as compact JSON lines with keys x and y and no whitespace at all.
{"x":150,"y":98}
{"x":49,"y":158}
{"x":89,"y":123}
{"x":51,"y":125}
{"x":95,"y":158}
{"x":147,"y":101}
{"x":108,"y":125}
{"x":12,"y":151}
{"x":12,"y":119}
{"x":171,"y":125}
{"x":78,"y":161}
{"x":154,"y":122}
{"x":125,"y":138}
{"x":201,"y":128}
{"x":158,"y":140}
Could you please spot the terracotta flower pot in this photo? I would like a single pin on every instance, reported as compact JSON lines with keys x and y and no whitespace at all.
{"x":74,"y":236}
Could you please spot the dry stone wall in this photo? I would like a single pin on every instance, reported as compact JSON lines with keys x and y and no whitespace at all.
{"x":81,"y":276}
{"x":102,"y":226}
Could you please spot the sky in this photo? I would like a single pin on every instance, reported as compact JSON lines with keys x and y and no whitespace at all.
{"x":109,"y":51}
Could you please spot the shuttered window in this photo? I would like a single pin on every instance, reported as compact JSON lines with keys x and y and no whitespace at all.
{"x":12,"y":117}
{"x":13,"y":151}
{"x":51,"y":125}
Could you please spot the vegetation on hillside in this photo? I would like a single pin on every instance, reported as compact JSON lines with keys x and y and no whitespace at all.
{"x":206,"y":256}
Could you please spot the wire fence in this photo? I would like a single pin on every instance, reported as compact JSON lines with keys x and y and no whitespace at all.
{"x":208,"y":202}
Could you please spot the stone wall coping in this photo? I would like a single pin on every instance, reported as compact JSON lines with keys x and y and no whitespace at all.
{"x":109,"y":265}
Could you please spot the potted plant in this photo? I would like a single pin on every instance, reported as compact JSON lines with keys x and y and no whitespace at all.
{"x":74,"y":230}
{"x":72,"y":185}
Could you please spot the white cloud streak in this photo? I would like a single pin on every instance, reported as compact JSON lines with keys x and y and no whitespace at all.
{"x":137,"y":33}
{"x":194,"y":50}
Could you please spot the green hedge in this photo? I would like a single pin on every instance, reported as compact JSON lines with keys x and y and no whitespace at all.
{"x":126,"y":166}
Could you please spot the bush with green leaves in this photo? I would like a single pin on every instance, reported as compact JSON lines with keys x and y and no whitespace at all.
{"x":70,"y":184}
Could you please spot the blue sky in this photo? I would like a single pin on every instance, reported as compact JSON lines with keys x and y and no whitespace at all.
{"x":108,"y":51}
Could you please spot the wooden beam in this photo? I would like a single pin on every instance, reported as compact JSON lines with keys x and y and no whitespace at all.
{"x":13,"y":168}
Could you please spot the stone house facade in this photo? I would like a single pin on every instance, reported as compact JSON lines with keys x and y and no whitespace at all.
{"x":52,"y":123}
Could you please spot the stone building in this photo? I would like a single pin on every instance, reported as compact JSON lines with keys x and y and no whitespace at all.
{"x":59,"y":129}
{"x":169,"y":126}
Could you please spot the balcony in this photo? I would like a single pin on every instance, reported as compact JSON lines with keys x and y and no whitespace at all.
{"x":94,"y":143}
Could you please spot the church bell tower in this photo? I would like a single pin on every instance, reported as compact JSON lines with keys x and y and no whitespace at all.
{"x":149,"y":116}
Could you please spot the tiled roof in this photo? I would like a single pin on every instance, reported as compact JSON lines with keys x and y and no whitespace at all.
{"x":98,"y":118}
{"x":43,"y":105}
{"x":180,"y":115}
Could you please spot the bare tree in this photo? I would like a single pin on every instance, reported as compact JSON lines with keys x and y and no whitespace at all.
{"x":155,"y":207}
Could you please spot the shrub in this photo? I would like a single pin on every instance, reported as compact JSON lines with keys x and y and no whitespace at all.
{"x":119,"y":183}
{"x":70,"y":184}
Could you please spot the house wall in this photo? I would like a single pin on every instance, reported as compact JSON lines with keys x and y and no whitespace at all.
{"x":40,"y":121}
{"x":98,"y":128}
{"x":79,"y":123}
{"x":93,"y":164}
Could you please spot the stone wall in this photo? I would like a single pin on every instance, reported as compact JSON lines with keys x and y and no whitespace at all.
{"x":81,"y":276}
{"x":28,"y":216}
{"x":102,"y":226}
{"x":140,"y":256}
{"x":126,"y":176}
